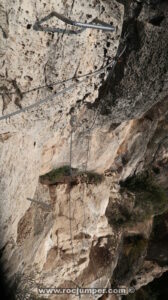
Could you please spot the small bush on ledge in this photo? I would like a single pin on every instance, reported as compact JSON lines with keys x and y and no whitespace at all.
{"x":149,"y":197}
{"x":92,"y":177}
{"x":141,"y":199}
{"x":66,"y":174}
{"x":59,"y":175}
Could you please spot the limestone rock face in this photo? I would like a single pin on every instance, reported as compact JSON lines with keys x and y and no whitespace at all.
{"x":113,"y":123}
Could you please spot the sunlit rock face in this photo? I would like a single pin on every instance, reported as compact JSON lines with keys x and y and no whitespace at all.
{"x":113,"y":124}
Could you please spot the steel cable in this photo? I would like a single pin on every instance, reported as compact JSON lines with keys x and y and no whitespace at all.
{"x":65,"y":90}
{"x":87,"y":154}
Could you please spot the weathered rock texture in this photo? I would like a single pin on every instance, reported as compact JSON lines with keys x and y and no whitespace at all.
{"x":113,"y":123}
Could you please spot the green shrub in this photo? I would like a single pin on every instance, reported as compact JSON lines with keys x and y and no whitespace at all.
{"x":150,"y":198}
{"x":93,"y":177}
{"x":56,"y":174}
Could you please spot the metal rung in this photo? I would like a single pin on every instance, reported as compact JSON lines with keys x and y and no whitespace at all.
{"x":96,"y":24}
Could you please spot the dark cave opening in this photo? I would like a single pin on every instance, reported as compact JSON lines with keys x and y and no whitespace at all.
{"x":156,"y":21}
{"x":155,"y":290}
{"x":6,"y":292}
